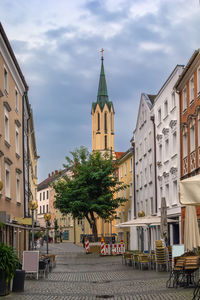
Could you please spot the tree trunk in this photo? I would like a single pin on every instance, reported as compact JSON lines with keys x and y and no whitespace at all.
{"x":92,"y":221}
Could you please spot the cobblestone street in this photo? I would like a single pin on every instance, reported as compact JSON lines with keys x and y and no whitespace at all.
{"x":80,"y":276}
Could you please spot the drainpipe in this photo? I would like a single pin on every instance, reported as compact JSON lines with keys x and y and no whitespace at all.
{"x":152,"y":118}
{"x":134,"y":202}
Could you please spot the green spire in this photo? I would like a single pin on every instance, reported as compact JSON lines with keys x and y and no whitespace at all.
{"x":102,"y":96}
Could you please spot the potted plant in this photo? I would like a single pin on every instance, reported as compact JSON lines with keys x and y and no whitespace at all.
{"x":9,"y":262}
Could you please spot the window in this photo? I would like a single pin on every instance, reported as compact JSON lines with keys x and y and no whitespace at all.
{"x":160,"y":153}
{"x":159,"y":116}
{"x":173,"y":100}
{"x":166,"y":149}
{"x":105,"y":121}
{"x":192,"y":89}
{"x":47,"y":194}
{"x":150,"y":171}
{"x":7,"y":129}
{"x":184,"y":99}
{"x":199,"y":133}
{"x":18,"y":188}
{"x":7,"y":180}
{"x":198,"y":81}
{"x":192,"y":138}
{"x":131,"y":189}
{"x":40,"y":209}
{"x":47,"y":208}
{"x":16,"y":101}
{"x":174,"y":140}
{"x":6,"y":81}
{"x":145,"y":145}
{"x":129,"y":214}
{"x":175,"y":192}
{"x":123,"y":216}
{"x":167,"y":194}
{"x":166,"y":108}
{"x":145,"y":174}
{"x":146,"y":207}
{"x":141,"y":150}
{"x":98,"y":121}
{"x":43,"y":195}
{"x":17,"y":140}
{"x":125,"y":171}
{"x":152,"y":206}
{"x":121,"y":171}
{"x":131,"y":165}
{"x":43,"y":209}
{"x":40,"y":196}
{"x":150,"y":140}
{"x":137,"y":181}
{"x":106,"y":146}
{"x":185,"y":145}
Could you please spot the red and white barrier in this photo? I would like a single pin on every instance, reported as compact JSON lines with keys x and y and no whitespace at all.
{"x":102,"y":247}
{"x":123,"y":247}
{"x":87,"y":246}
{"x":119,"y":249}
{"x":114,"y":249}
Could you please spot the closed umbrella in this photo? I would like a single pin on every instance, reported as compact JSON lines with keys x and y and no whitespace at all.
{"x":191,"y":229}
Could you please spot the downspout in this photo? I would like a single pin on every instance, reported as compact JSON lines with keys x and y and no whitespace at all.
{"x":134,"y":202}
{"x":152,"y":118}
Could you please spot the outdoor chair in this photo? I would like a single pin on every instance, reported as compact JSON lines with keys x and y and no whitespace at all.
{"x":152,"y":260}
{"x":176,"y":277}
{"x":135,"y":260}
{"x":127,"y":258}
{"x":143,"y":260}
{"x":42,"y":267}
{"x":190,"y":270}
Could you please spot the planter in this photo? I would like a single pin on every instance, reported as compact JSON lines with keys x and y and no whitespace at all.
{"x":18,"y":281}
{"x":4,"y":287}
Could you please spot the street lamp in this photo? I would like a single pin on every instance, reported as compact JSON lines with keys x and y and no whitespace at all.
{"x":110,"y":219}
{"x":32,"y":206}
{"x":47,"y":218}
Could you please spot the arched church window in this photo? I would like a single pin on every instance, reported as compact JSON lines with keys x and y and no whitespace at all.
{"x":98,"y":121}
{"x":106,"y":146}
{"x":105,"y":121}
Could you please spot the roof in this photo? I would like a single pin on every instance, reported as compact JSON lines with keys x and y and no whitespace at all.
{"x":102,"y":95}
{"x":119,"y":154}
{"x":2,"y":32}
{"x":190,"y":62}
{"x":151,"y":98}
{"x":51,"y":178}
{"x":126,"y":154}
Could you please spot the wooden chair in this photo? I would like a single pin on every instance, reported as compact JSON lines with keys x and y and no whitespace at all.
{"x":127,"y":258}
{"x":176,"y":277}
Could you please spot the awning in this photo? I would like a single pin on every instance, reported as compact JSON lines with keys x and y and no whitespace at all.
{"x":190,"y":191}
{"x":144,"y":221}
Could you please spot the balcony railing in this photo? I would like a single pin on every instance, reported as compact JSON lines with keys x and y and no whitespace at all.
{"x":192,"y":160}
{"x":185,"y":165}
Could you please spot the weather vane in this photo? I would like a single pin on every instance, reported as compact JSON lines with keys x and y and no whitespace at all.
{"x":102,"y":52}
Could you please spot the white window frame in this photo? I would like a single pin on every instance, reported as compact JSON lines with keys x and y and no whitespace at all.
{"x":7,"y":180}
{"x":174,"y":139}
{"x":192,"y":89}
{"x":184,"y":99}
{"x":192,"y":138}
{"x":5,"y":77}
{"x":166,"y":108}
{"x":17,"y":140}
{"x":185,"y":145}
{"x":7,"y":125}
{"x":159,"y":116}
{"x":16,"y":100}
{"x":173,"y":99}
{"x":131,"y":165}
{"x":18,"y":194}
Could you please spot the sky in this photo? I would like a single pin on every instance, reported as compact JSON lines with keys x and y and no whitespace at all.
{"x":57,"y":44}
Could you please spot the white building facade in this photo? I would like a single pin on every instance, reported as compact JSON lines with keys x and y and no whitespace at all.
{"x":167,"y":125}
{"x":145,"y":196}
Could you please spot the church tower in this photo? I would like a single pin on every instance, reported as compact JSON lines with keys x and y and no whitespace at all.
{"x":103,"y":118}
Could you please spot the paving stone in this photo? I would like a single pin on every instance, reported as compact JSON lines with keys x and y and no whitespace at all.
{"x":78,"y":276}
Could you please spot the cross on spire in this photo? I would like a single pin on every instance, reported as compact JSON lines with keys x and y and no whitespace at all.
{"x":102,"y":53}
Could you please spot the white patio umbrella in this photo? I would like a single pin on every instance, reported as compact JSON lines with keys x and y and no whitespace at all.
{"x":191,"y":229}
{"x":190,"y":196}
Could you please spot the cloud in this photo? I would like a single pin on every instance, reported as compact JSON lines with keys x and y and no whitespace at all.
{"x":58,"y":47}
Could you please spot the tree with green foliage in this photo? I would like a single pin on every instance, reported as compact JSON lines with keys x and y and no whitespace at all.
{"x":92,"y":188}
